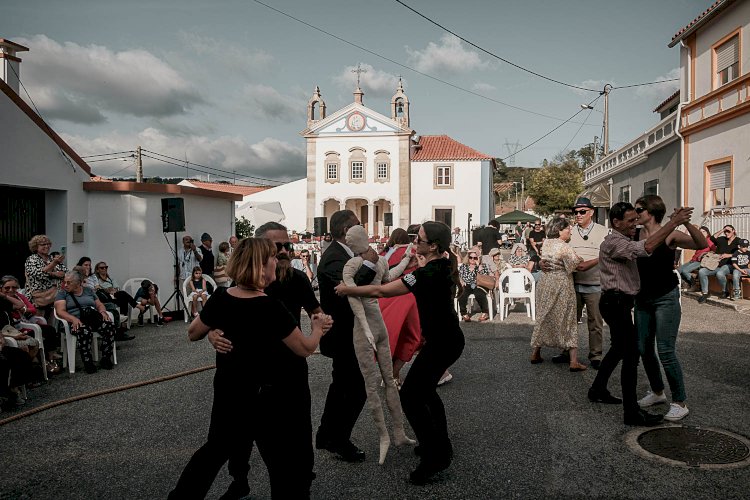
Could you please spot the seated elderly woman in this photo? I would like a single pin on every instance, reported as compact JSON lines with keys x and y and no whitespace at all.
{"x":24,"y":311}
{"x":43,"y":273}
{"x":77,"y":302}
{"x":108,"y":291}
{"x":468,"y":272}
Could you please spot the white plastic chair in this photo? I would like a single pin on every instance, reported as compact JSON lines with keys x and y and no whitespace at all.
{"x":470,"y":305}
{"x":131,"y":287}
{"x":519,"y":280}
{"x":185,"y":294}
{"x":37,"y":335}
{"x":68,"y":343}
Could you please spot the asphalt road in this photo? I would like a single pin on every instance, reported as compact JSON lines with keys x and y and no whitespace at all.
{"x":519,"y":430}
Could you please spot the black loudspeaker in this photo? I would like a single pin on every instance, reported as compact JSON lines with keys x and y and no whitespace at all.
{"x":321,"y":226}
{"x":388,"y":219}
{"x":173,"y":215}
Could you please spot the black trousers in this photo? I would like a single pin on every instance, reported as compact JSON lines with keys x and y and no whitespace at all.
{"x":419,"y":398}
{"x":617,"y":311}
{"x":479,"y":294}
{"x":346,"y":397}
{"x":279,"y":423}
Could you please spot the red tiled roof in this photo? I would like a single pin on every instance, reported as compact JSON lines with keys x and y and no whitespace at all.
{"x":99,"y":178}
{"x":442,"y":147}
{"x":665,"y":101}
{"x":502,"y":187}
{"x":702,"y":17}
{"x":228,"y":188}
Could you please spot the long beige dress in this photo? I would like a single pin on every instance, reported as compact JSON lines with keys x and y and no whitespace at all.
{"x":556,"y":323}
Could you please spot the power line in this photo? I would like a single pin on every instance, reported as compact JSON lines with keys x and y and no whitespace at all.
{"x":401,"y":65}
{"x":185,"y":162}
{"x":554,"y":129}
{"x":108,"y":154}
{"x":579,"y":129}
{"x":108,"y":159}
{"x":200,"y":169}
{"x":492,"y":54}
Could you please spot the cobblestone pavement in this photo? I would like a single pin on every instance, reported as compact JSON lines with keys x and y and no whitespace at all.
{"x":519,"y":430}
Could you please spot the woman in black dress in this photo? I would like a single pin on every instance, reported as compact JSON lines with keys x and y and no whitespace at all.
{"x":434,"y":286}
{"x":261,"y":391}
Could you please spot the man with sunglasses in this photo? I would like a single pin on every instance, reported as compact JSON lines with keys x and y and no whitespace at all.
{"x":726,"y":242}
{"x":293,"y":289}
{"x":536,"y":239}
{"x":189,"y":257}
{"x":585,"y":239}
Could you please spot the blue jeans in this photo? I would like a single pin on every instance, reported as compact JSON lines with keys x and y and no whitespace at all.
{"x":658,"y":321}
{"x":736,"y":278}
{"x":686,"y":271}
{"x":720,"y":273}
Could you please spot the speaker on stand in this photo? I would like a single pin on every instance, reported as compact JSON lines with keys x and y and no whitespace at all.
{"x":321,"y":226}
{"x":173,"y":221}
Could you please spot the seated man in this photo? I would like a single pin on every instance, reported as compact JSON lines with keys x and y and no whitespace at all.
{"x":740,"y":264}
{"x":148,"y":295}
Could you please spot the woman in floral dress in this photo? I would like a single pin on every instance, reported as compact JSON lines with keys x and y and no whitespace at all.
{"x":556,"y":324}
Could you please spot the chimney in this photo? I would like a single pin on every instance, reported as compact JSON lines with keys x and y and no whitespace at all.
{"x":11,"y":64}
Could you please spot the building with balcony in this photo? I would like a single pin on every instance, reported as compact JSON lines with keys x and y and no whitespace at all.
{"x":715,"y":114}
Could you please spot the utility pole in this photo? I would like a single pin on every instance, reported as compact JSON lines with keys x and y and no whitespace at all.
{"x":139,"y":166}
{"x":596,"y":149}
{"x":607,"y":89}
{"x":523,"y":198}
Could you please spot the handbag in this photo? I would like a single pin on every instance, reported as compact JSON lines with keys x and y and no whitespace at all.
{"x":485,"y":281}
{"x":44,"y":298}
{"x":89,"y":316}
{"x":711,"y":261}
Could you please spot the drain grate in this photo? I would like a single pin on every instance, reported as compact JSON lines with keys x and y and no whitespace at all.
{"x":695,"y":446}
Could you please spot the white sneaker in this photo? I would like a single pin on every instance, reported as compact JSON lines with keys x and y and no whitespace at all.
{"x":652,"y":399}
{"x":447,"y":377}
{"x":676,"y":412}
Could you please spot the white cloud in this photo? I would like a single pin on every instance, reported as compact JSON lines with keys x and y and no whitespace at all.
{"x":447,"y":56}
{"x":267,"y":102}
{"x":82,"y":83}
{"x":235,"y":57}
{"x":374,"y":82}
{"x":269,"y":158}
{"x":483,"y":87}
{"x":655,"y":94}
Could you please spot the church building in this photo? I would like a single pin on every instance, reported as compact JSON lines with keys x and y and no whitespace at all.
{"x":376,"y":166}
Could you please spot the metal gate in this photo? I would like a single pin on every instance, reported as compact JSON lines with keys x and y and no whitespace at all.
{"x":22,"y":214}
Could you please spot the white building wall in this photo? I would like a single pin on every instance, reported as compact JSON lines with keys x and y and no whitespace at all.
{"x":468,"y":194}
{"x":125,"y":230}
{"x":31,"y":159}
{"x":292,"y":196}
{"x":344,"y":189}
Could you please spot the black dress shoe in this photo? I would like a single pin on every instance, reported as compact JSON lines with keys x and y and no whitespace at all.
{"x":427,"y":468}
{"x":596,"y":363}
{"x":561,"y":358}
{"x":236,"y":490}
{"x":346,"y":451}
{"x":643,"y":418}
{"x":603,"y":397}
{"x":106,"y":363}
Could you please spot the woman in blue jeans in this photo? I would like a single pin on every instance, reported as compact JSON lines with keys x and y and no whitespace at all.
{"x":657,"y":306}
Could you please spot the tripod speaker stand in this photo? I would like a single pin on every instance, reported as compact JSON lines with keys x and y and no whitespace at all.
{"x":179,"y":300}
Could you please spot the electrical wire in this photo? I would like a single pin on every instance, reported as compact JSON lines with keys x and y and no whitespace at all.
{"x":110,"y":159}
{"x":109,"y":154}
{"x":185,"y":162}
{"x":182,"y":165}
{"x":401,"y":65}
{"x":492,"y":54}
{"x":553,"y":130}
{"x":578,"y":131}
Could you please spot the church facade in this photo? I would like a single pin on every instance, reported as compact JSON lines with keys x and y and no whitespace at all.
{"x":372,"y":164}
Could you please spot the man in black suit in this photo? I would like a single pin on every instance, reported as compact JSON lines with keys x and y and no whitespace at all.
{"x":346,"y":394}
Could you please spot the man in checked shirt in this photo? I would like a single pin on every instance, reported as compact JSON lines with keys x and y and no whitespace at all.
{"x":620,"y":283}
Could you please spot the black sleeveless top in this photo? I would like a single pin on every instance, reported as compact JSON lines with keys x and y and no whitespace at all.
{"x":656,"y":272}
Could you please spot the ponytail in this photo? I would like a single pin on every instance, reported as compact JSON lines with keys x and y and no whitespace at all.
{"x":457,"y":288}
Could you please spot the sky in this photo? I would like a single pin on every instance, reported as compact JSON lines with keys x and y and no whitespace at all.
{"x":225,"y":84}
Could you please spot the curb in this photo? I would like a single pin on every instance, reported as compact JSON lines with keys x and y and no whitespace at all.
{"x":742,"y":305}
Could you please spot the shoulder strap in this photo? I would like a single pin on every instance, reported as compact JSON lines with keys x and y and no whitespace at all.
{"x":72,"y":296}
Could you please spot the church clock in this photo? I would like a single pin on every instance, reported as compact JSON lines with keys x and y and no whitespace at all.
{"x":355,"y":122}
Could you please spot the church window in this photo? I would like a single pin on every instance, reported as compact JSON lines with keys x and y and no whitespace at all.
{"x":357,"y":162}
{"x":333,"y":171}
{"x":382,"y":170}
{"x":382,"y":166}
{"x":443,"y":176}
{"x":332,"y":167}
{"x":358,"y":170}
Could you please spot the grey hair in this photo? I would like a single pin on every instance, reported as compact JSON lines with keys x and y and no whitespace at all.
{"x":8,"y":278}
{"x":268,"y":226}
{"x":75,"y":276}
{"x":556,"y":225}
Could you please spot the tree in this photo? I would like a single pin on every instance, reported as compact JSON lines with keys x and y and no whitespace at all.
{"x":243,"y":228}
{"x":556,"y":186}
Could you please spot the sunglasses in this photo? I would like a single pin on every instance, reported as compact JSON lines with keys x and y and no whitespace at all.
{"x":103,"y":267}
{"x":580,"y":212}
{"x":285,"y":246}
{"x":473,"y":257}
{"x":639,"y":210}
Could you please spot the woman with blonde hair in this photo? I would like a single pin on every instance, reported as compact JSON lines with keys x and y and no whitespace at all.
{"x":43,"y":273}
{"x":261,"y":391}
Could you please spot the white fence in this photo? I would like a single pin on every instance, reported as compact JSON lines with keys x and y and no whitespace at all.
{"x":739,"y":217}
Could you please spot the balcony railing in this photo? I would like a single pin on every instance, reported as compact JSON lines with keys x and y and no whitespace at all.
{"x":707,"y":109}
{"x":739,"y":217}
{"x":633,"y":153}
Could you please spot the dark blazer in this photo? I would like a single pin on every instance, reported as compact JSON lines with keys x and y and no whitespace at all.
{"x":330,"y":274}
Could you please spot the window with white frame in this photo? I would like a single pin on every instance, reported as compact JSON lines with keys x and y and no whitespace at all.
{"x":333,"y":172}
{"x":443,"y":176}
{"x":651,"y":187}
{"x":382,"y":171}
{"x":720,"y":185}
{"x":358,"y":170}
{"x":728,"y":61}
{"x":624,"y":194}
{"x":332,"y":167}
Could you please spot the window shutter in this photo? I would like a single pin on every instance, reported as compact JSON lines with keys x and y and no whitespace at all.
{"x":721,"y":176}
{"x":727,"y":54}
